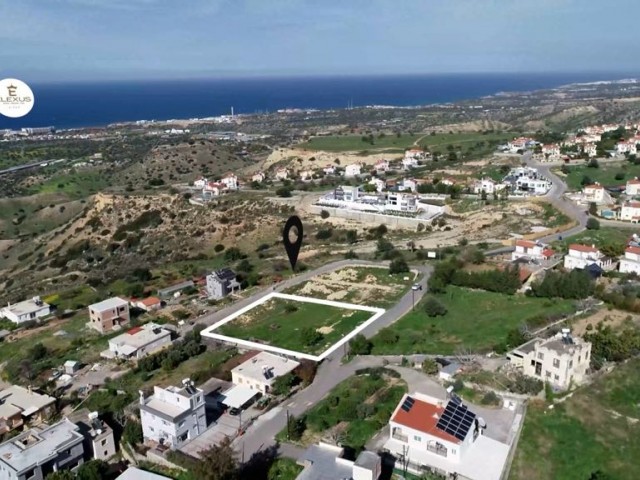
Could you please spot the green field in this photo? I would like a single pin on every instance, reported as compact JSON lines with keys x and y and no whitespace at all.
{"x":603,"y":236}
{"x":298,"y":326}
{"x":75,"y":185}
{"x":605,"y":174}
{"x":597,"y":428}
{"x":476,"y":320}
{"x":438,"y":142}
{"x":360,"y":406}
{"x":369,"y":286}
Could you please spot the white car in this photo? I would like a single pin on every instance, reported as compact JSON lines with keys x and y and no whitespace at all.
{"x":416,"y":286}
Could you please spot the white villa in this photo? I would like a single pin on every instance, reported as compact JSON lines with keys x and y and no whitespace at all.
{"x":352,"y":170}
{"x":200,"y":182}
{"x":329,"y":170}
{"x":258,"y":177}
{"x":213,"y":189}
{"x":230,"y":181}
{"x":382,"y":166}
{"x":487,"y":186}
{"x":590,"y":149}
{"x":531,"y":250}
{"x":631,"y":261}
{"x":445,"y":438}
{"x":593,"y":193}
{"x":32,"y":309}
{"x":552,"y":150}
{"x":379,"y":183}
{"x":410,"y":184}
{"x":630,"y":212}
{"x":282,"y":174}
{"x":626,"y":147}
{"x":633,"y":187}
{"x":581,"y":256}
{"x":306,"y":175}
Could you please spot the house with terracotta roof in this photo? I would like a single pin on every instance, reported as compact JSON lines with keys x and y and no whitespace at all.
{"x":582,"y":256}
{"x":382,"y":166}
{"x":138,"y":342}
{"x":552,"y":150}
{"x":531,"y":250}
{"x":282,"y":174}
{"x":213,"y":189}
{"x":443,"y":437}
{"x":633,"y":187}
{"x":147,"y":304}
{"x":230,"y":181}
{"x":630,"y":212}
{"x":593,"y":193}
{"x":258,"y":177}
{"x":631,"y":261}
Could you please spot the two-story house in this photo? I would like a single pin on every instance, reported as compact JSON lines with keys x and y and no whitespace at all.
{"x":633,"y":187}
{"x":221,"y":283}
{"x":581,"y":256}
{"x":230,"y":181}
{"x":531,"y":250}
{"x":631,"y":261}
{"x":379,"y":184}
{"x":593,"y":193}
{"x":282,"y":174}
{"x":443,"y":437}
{"x":561,"y":360}
{"x":630,"y":212}
{"x":109,"y":314}
{"x":258,"y":177}
{"x":487,"y":186}
{"x":352,"y":170}
{"x":20,"y":405}
{"x":99,"y":442}
{"x":174,"y":415}
{"x":382,"y":166}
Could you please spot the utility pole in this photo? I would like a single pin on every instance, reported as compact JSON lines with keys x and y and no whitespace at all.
{"x":413,"y":299}
{"x":288,"y":424}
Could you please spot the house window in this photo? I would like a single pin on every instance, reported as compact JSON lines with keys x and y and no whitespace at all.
{"x":181,"y":424}
{"x":417,"y":438}
{"x":571,"y":363}
{"x":152,"y":429}
{"x":548,"y":374}
{"x":556,"y":377}
{"x":103,"y":442}
{"x":579,"y":358}
{"x":540,"y":356}
{"x":556,"y":363}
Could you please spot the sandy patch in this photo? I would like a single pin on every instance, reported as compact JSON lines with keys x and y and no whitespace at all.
{"x":613,"y":318}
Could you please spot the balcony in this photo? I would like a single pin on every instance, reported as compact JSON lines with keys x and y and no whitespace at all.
{"x":397,"y":435}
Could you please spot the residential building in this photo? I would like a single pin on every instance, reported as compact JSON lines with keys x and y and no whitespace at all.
{"x":521,"y":143}
{"x":148,"y":304}
{"x":528,"y":180}
{"x":213,"y":189}
{"x":352,"y":170}
{"x":593,"y":193}
{"x":306,"y":175}
{"x":445,"y":438}
{"x":221,"y":283}
{"x":345,"y":193}
{"x":382,"y":166}
{"x":230,"y":181}
{"x":410,"y":184}
{"x":581,"y":256}
{"x":626,"y":147}
{"x":27,"y":310}
{"x":633,"y":187}
{"x":282,"y":174}
{"x":531,"y":251}
{"x":258,"y":177}
{"x":402,"y":202}
{"x":410,"y":162}
{"x":108,"y":315}
{"x":630,"y":212}
{"x":133,"y":473}
{"x":36,"y":453}
{"x":259,"y":372}
{"x":552,"y":150}
{"x":200,"y":182}
{"x":487,"y":186}
{"x":379,"y":184}
{"x":561,"y":360}
{"x":324,"y":461}
{"x":590,"y":149}
{"x":99,"y":442}
{"x":71,"y":367}
{"x":329,"y":170}
{"x":631,"y":261}
{"x":139,"y":342}
{"x":174,"y":415}
{"x":19,"y":405}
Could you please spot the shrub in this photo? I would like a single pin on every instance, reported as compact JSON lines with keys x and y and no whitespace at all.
{"x":430,"y":366}
{"x":310,"y":336}
{"x":359,"y":345}
{"x":324,"y":214}
{"x":218,"y":248}
{"x":283,"y":192}
{"x":434,"y":308}
{"x":490,"y":398}
{"x":593,"y":224}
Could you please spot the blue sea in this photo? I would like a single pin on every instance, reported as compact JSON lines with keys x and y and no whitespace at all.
{"x":100,"y":103}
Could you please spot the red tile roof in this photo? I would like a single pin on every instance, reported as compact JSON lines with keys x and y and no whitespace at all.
{"x":547,"y":252}
{"x":523,"y":274}
{"x":633,"y":181}
{"x":134,"y":330}
{"x":582,"y":248}
{"x":525,"y":243}
{"x":423,"y":417}
{"x":594,"y":186}
{"x":635,"y":250}
{"x":149,"y":301}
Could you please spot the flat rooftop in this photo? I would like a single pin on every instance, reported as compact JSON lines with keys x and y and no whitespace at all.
{"x":26,"y":306}
{"x":141,"y":336}
{"x":108,"y":304}
{"x":133,"y":473}
{"x":324,"y":462}
{"x":35,"y":446}
{"x":29,"y":402}
{"x":256,"y":367}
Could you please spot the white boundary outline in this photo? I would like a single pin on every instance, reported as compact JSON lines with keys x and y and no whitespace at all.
{"x":377,"y":313}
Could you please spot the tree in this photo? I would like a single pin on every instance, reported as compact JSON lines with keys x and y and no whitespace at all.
{"x":283,"y":192}
{"x":593,"y":224}
{"x":430,"y":366}
{"x":296,"y":427}
{"x":37,"y":352}
{"x":359,"y":345}
{"x":586,"y":180}
{"x":93,"y":470}
{"x":132,"y":433}
{"x":282,"y":385}
{"x":310,"y":336}
{"x":61,"y":475}
{"x":217,"y":462}
{"x":233,"y":254}
{"x":593,"y":208}
{"x":593,"y":164}
{"x":434,"y":308}
{"x":324,"y":214}
{"x":399,"y":265}
{"x":351,"y":236}
{"x":384,"y":248}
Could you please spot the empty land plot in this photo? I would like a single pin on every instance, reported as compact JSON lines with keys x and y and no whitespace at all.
{"x":299,"y":326}
{"x":596,"y":429}
{"x":605,"y":175}
{"x":475,"y":320}
{"x":358,"y":285}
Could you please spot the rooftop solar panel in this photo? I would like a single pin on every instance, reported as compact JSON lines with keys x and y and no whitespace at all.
{"x":456,"y":420}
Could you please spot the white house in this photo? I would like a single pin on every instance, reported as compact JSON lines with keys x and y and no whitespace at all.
{"x":258,"y":177}
{"x":138,"y":342}
{"x":626,"y":147}
{"x":403,"y":202}
{"x":27,"y":310}
{"x":487,"y":186}
{"x":593,"y":193}
{"x":213,"y":189}
{"x":282,"y":174}
{"x":147,"y":304}
{"x":445,"y":438}
{"x":352,"y":170}
{"x":411,"y":159}
{"x":581,"y":256}
{"x":174,"y":415}
{"x":531,"y":250}
{"x":631,"y":261}
{"x":561,"y":360}
{"x":410,"y":184}
{"x":259,"y":372}
{"x":200,"y":182}
{"x":630,"y":212}
{"x":306,"y":175}
{"x":230,"y":180}
{"x":590,"y":149}
{"x":329,"y":170}
{"x":633,"y":187}
{"x":379,"y":183}
{"x":553,"y":150}
{"x":326,"y":462}
{"x":346,"y":193}
{"x":382,"y":166}
{"x":520,"y":143}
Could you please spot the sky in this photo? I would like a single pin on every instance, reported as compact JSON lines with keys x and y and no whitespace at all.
{"x":76,"y":40}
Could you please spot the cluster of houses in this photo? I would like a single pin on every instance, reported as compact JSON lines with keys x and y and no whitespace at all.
{"x":355,"y":198}
{"x":519,"y":181}
{"x":628,"y":210}
{"x":228,"y":183}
